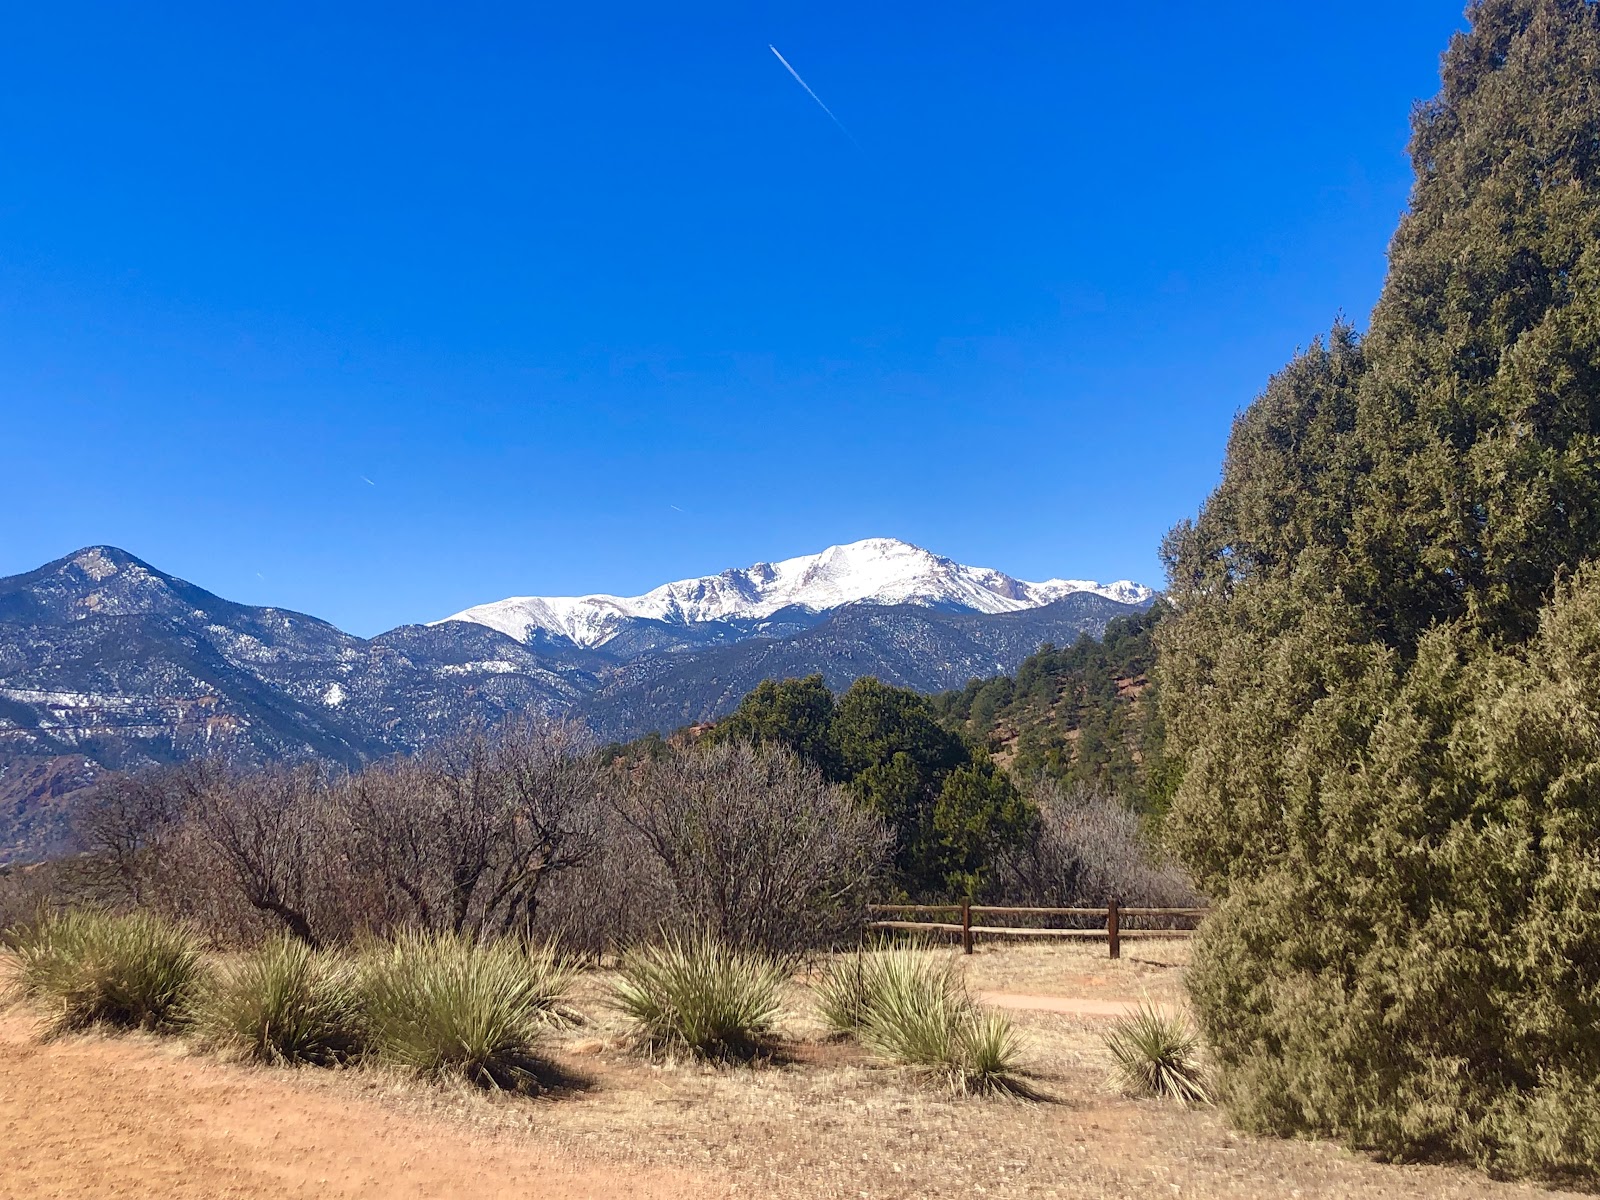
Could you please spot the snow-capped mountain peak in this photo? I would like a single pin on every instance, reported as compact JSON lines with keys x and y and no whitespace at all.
{"x":873,"y":571}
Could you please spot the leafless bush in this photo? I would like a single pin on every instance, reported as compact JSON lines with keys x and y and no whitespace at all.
{"x":620,"y":897}
{"x":464,"y":839}
{"x":28,"y":892}
{"x":759,"y":849}
{"x":1086,"y":848}
{"x":129,"y":828}
{"x":276,"y":837}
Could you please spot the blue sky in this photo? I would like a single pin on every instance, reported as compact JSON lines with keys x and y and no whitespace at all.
{"x":595,"y":296}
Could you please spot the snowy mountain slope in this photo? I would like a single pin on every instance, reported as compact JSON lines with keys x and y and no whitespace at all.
{"x":109,"y":664}
{"x":907,"y":645}
{"x":875,"y":571}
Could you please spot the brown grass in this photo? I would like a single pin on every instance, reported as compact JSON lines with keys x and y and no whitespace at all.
{"x":823,"y":1121}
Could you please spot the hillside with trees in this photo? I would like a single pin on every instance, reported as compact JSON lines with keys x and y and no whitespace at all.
{"x":1381,"y":680}
{"x":1084,"y":715}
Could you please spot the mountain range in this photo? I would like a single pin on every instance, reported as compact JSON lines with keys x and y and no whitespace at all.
{"x":877,"y":571}
{"x":107,"y":663}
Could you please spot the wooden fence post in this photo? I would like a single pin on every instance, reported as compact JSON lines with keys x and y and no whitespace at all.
{"x":1113,"y":930}
{"x":966,"y":927}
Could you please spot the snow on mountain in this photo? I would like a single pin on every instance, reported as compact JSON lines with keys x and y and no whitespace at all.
{"x":874,"y":571}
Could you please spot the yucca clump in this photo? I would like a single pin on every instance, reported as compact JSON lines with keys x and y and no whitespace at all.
{"x":445,"y":1005}
{"x":95,"y":968}
{"x":701,"y":996}
{"x":1157,"y":1055}
{"x":910,"y":1006}
{"x":286,"y":1004}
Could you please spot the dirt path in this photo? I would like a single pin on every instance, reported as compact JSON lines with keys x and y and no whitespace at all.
{"x":1070,"y":1005}
{"x":101,"y":1117}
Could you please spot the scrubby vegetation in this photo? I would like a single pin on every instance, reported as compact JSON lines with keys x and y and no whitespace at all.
{"x":909,"y":1006}
{"x":1380,"y":678}
{"x":1157,"y":1054}
{"x":1087,"y":846}
{"x":948,"y":807}
{"x":84,"y":967}
{"x":446,"y":1005}
{"x":285,"y":1004}
{"x":701,"y":996}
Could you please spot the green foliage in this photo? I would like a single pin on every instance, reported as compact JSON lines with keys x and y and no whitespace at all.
{"x":93,"y":968}
{"x":286,"y":1004}
{"x":701,"y":996}
{"x":1380,"y":678}
{"x":796,"y":713}
{"x":899,"y":760}
{"x":448,"y":1006}
{"x":950,"y":811}
{"x":1157,"y":1056}
{"x":909,"y":1006}
{"x":978,"y":816}
{"x":1084,"y":715}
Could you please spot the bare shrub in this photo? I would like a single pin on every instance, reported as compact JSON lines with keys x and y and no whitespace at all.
{"x":28,"y":893}
{"x":619,"y":898}
{"x":277,"y":836}
{"x":463,"y":839}
{"x":129,"y":828}
{"x":1087,"y":846}
{"x":759,"y":849}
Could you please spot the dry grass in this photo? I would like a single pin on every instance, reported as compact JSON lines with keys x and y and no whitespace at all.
{"x":831,"y":1123}
{"x":1149,"y":968}
{"x":823,"y":1121}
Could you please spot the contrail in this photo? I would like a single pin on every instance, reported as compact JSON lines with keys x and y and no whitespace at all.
{"x":814,"y":96}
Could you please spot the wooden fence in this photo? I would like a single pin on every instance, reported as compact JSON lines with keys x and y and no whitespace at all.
{"x":1115,"y":922}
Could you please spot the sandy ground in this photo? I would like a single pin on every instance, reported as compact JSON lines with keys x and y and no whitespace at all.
{"x":94,"y":1116}
{"x":97,"y":1116}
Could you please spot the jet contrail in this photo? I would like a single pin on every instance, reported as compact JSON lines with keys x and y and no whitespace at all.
{"x":814,"y":96}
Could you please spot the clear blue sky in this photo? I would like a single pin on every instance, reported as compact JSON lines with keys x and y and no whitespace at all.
{"x":596,"y":296}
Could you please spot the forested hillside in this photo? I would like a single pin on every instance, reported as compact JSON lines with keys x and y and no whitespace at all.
{"x":1083,"y":714}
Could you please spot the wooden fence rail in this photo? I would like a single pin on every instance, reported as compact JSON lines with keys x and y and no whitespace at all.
{"x":1112,"y":915}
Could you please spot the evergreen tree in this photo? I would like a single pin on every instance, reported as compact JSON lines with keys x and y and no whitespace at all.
{"x":950,"y":809}
{"x":1382,"y":678}
{"x":794,"y":713}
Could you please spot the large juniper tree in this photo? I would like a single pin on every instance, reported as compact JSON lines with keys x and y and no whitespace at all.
{"x":1383,"y":677}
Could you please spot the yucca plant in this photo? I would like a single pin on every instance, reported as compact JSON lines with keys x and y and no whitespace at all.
{"x":285,"y":1004}
{"x":988,"y":1055}
{"x":844,"y":985}
{"x":909,"y":1006}
{"x":87,"y":967}
{"x":1157,"y":1055}
{"x":701,"y":996}
{"x":445,"y":1005}
{"x":917,"y":1012}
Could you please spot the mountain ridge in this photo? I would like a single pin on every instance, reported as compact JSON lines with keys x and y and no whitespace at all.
{"x":109,"y":664}
{"x":884,"y":571}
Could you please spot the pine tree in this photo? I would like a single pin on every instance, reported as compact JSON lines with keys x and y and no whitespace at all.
{"x":1381,"y":683}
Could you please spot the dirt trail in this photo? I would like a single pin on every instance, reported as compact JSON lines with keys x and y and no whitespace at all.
{"x":1071,"y":1005}
{"x":101,"y":1117}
